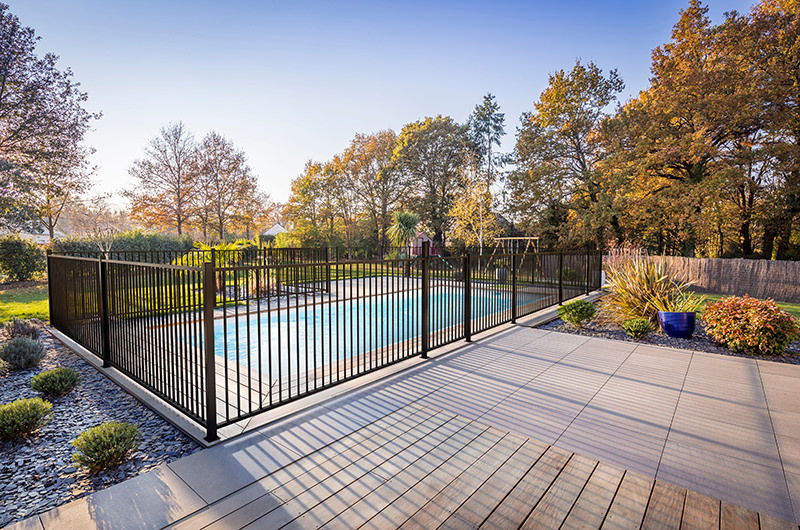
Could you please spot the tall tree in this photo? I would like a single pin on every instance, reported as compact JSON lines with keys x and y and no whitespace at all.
{"x":369,"y":166}
{"x":42,"y":124}
{"x":167,"y":182}
{"x":305,"y":208}
{"x":433,"y":152}
{"x":486,"y":128}
{"x":557,"y":154}
{"x":225,"y":182}
{"x":55,"y":184}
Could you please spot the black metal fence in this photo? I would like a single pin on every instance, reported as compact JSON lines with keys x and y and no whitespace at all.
{"x":227,"y":339}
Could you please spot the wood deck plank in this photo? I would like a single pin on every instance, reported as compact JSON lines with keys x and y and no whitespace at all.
{"x":665,"y":509}
{"x":734,"y":517}
{"x":412,"y":495}
{"x":492,"y":492}
{"x":700,"y":512}
{"x":769,"y":522}
{"x":594,"y":501}
{"x":629,"y":504}
{"x":435,"y":511}
{"x":334,"y":494}
{"x":345,"y":512}
{"x":280,"y":484}
{"x":528,"y":491}
{"x":553,"y":508}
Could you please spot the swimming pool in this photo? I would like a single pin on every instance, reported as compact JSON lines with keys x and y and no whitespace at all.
{"x":293,"y":340}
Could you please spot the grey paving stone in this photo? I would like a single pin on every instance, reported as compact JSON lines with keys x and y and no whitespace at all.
{"x":218,"y":471}
{"x":152,"y":500}
{"x":733,"y":480}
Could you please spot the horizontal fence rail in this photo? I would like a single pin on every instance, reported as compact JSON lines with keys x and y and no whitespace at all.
{"x":225,"y":339}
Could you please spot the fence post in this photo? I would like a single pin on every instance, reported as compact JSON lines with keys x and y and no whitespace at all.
{"x":209,"y":300}
{"x":560,"y":278}
{"x":49,"y":254}
{"x":467,"y":298}
{"x":426,"y":301}
{"x":588,"y":268}
{"x":102,"y":308}
{"x":513,"y":288}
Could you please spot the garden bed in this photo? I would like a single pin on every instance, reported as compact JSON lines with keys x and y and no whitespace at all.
{"x":700,"y":341}
{"x":37,"y":473}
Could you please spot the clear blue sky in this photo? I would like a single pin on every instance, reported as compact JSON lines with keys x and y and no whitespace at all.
{"x":289,"y":81}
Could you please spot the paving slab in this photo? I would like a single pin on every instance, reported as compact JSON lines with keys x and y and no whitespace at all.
{"x":149,"y":501}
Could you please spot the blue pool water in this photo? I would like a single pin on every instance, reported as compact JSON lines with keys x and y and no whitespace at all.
{"x":298,"y":338}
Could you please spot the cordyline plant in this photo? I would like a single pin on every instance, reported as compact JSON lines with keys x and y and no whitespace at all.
{"x":642,"y":288}
{"x":750,"y":325}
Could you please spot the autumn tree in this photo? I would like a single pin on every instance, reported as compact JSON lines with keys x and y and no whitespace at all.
{"x":42,"y":126}
{"x":166,"y":180}
{"x":768,"y":40}
{"x":557,"y":154}
{"x":432,"y":153}
{"x":256,"y":213}
{"x":224,"y":181}
{"x":306,"y":207}
{"x":369,"y":168}
{"x":474,"y":220}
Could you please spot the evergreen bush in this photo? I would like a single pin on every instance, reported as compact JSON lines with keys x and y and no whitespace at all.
{"x":22,"y":352}
{"x":23,"y":417}
{"x":56,"y":382}
{"x":638,"y":327}
{"x":105,"y":445}
{"x":577,"y":312}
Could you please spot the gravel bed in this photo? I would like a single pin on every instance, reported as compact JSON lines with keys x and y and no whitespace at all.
{"x":37,"y":473}
{"x":700,"y":340}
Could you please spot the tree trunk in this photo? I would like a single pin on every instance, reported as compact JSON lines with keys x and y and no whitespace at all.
{"x":745,"y":238}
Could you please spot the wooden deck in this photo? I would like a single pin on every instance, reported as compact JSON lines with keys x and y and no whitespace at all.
{"x":523,"y":428}
{"x":422,"y":468}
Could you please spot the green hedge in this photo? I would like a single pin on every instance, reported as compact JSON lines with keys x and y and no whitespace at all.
{"x":20,"y":260}
{"x":126,"y":241}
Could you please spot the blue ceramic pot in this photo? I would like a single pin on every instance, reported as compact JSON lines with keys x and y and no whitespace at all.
{"x":677,"y":325}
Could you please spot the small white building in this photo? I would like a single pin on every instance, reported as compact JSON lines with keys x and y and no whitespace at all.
{"x":274,"y":230}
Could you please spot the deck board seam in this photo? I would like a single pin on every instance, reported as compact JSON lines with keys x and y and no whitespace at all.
{"x":792,"y":501}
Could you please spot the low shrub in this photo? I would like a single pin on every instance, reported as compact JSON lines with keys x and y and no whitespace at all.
{"x":106,"y":445}
{"x":750,"y":325}
{"x":23,"y":417}
{"x":56,"y":382}
{"x":22,"y":352}
{"x":638,"y":327}
{"x":18,"y":327}
{"x":20,"y":259}
{"x":577,"y":312}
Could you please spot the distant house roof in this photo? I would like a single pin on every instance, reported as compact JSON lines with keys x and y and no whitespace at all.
{"x":274,"y":230}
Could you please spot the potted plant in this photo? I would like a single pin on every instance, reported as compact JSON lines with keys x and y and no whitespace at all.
{"x":677,"y":316}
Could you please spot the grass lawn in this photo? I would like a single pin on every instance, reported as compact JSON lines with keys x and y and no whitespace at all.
{"x":29,"y":301}
{"x":792,"y":309}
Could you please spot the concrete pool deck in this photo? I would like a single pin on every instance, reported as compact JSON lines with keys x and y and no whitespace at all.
{"x":726,"y":427}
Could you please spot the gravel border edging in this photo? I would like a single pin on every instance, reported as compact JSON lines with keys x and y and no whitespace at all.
{"x":700,"y":341}
{"x":37,"y":473}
